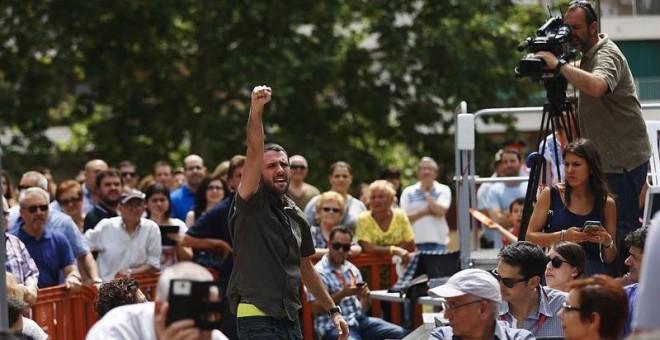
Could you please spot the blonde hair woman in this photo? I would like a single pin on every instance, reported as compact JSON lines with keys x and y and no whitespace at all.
{"x":329,"y":210}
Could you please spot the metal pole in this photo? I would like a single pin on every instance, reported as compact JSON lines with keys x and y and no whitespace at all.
{"x":4,"y":313}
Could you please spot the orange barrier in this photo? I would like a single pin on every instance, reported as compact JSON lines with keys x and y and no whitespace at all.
{"x":375,"y":263}
{"x":65,"y":315}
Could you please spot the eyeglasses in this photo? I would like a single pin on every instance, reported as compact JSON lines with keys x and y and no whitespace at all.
{"x":337,"y":245}
{"x":556,"y":262}
{"x":586,"y":5}
{"x":298,"y":167}
{"x":328,"y":209}
{"x":450,"y":307}
{"x":128,"y":174}
{"x":33,"y":209}
{"x":569,"y":308}
{"x":69,"y":201}
{"x":215,"y":187}
{"x":508,"y":282}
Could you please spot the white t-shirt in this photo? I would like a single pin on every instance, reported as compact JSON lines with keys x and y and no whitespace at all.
{"x":32,"y":329}
{"x":135,"y":321}
{"x":429,"y":228}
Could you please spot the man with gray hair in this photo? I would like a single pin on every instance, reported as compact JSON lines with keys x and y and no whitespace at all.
{"x":472,"y":299}
{"x":299,"y":191}
{"x":49,"y":249}
{"x":60,"y":222}
{"x":147,"y":320}
{"x":426,"y":203}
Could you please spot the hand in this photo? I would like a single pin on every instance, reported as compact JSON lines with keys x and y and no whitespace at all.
{"x":601,"y":236}
{"x":549,"y":58}
{"x":30,"y":294}
{"x":72,"y":283}
{"x":341,"y":326}
{"x":261,"y":95}
{"x":349,"y":290}
{"x":575,"y":235}
{"x":123,"y":273}
{"x":179,"y":330}
{"x":363,"y":291}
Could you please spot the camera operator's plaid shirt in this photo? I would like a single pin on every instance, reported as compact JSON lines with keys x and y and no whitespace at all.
{"x":19,"y":262}
{"x":350,"y":305}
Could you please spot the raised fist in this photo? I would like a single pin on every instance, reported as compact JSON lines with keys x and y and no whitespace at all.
{"x":261,"y":95}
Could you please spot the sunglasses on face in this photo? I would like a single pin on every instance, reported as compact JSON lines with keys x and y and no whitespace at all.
{"x":328,"y":209}
{"x":298,"y":167}
{"x":507,"y":282}
{"x":337,"y":246}
{"x":556,"y":262}
{"x":128,"y":174}
{"x":450,"y":307}
{"x":68,"y":201}
{"x":33,"y":209}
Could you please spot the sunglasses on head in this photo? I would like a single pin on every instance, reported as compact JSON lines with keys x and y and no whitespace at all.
{"x":34,"y":208}
{"x":507,"y":282}
{"x":586,"y":5}
{"x":298,"y":167}
{"x":556,"y":262}
{"x":337,"y":245}
{"x":328,"y":209}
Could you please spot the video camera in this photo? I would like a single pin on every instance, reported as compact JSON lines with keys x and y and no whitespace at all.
{"x":553,"y":37}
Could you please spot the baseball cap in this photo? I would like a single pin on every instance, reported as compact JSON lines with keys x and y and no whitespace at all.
{"x":129,"y":195}
{"x":477,"y":282}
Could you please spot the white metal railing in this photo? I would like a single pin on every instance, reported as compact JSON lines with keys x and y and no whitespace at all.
{"x":648,"y":88}
{"x":629,"y":7}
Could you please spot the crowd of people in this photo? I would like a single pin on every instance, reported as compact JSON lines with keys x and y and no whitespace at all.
{"x":265,"y":231}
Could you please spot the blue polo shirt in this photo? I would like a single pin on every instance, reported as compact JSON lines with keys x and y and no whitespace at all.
{"x":51,"y":253}
{"x":182,"y":201}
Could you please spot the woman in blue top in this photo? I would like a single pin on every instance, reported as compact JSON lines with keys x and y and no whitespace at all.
{"x":562,"y":210}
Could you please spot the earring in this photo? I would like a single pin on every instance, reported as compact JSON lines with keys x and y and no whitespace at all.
{"x":574,"y":275}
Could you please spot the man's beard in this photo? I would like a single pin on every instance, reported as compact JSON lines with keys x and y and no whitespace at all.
{"x":107,"y":201}
{"x":270,"y":187}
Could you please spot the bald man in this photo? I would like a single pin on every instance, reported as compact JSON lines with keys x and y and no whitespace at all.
{"x":183,"y":198}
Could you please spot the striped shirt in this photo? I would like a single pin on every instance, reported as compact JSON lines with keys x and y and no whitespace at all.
{"x":19,"y":262}
{"x":544,"y":321}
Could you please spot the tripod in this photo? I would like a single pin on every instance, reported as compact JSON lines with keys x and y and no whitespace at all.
{"x":557,"y":110}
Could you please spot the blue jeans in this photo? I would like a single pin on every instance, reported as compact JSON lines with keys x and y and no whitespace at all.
{"x":266,"y":327}
{"x":430,"y":247}
{"x":369,"y":328}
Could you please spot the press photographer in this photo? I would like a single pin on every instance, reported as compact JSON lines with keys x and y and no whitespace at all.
{"x":609,"y":112}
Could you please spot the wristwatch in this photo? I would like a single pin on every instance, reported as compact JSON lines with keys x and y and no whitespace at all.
{"x":333,"y":310}
{"x":560,"y":64}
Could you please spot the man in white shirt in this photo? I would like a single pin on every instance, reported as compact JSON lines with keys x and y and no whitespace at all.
{"x":127,"y":244}
{"x":147,"y":320}
{"x":426,"y":203}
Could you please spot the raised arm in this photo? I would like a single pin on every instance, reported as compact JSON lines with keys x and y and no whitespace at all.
{"x":255,"y":143}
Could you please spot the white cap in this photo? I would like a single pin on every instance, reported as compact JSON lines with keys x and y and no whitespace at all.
{"x":129,"y":195}
{"x":477,"y":282}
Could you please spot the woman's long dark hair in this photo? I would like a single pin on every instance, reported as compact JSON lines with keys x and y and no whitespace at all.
{"x":585,"y":149}
{"x":200,"y":196}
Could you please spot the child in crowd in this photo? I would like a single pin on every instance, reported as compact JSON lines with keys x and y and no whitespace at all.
{"x":515,"y":217}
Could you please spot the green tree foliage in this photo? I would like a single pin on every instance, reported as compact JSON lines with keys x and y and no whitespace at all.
{"x":370,"y":82}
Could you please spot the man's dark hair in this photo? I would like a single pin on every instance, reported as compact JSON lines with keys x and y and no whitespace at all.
{"x":520,"y":201}
{"x":527,"y":256}
{"x":127,"y":163}
{"x":274,"y":147}
{"x":160,"y":164}
{"x":589,"y":12}
{"x":637,"y":238}
{"x":15,"y":307}
{"x":115,"y":293}
{"x":339,"y":229}
{"x":112,"y":172}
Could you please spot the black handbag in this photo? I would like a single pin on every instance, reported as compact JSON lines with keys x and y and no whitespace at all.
{"x":417,"y":287}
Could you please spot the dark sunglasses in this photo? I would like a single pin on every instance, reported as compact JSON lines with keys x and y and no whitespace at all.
{"x":328,"y":209}
{"x":69,"y":201}
{"x":507,"y":282}
{"x":33,"y":209}
{"x":23,"y":187}
{"x":586,"y":5}
{"x":128,"y":174}
{"x":337,"y":245}
{"x":556,"y":262}
{"x":298,"y":167}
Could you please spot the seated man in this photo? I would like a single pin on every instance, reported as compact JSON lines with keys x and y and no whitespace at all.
{"x":49,"y":249}
{"x":527,"y":304}
{"x":19,"y":262}
{"x":344,"y":284}
{"x":472,"y":299}
{"x":635,"y":240}
{"x":146,"y":321}
{"x":127,"y":244}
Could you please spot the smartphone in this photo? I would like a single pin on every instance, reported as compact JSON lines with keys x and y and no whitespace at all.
{"x":196,"y":300}
{"x":360,"y":284}
{"x":591,"y":226}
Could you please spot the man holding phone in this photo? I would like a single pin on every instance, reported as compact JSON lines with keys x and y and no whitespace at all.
{"x":344,"y":283}
{"x":272,"y":243}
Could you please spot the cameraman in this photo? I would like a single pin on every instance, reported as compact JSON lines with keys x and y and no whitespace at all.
{"x":609,"y":112}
